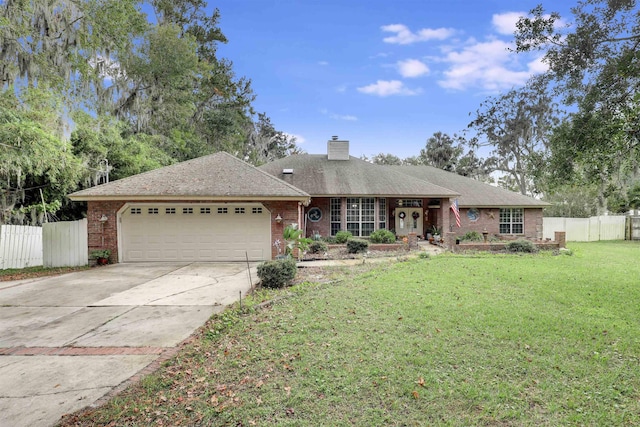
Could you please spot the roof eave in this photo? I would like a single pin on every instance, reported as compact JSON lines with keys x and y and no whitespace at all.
{"x":389,"y":195}
{"x":505,"y":205}
{"x":80,"y":198}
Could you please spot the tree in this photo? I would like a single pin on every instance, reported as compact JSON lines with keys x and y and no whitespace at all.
{"x":472,"y":166}
{"x":386,"y":159}
{"x":65,"y":43}
{"x":572,"y":201}
{"x":596,"y":68}
{"x":36,"y":167}
{"x":517,"y":125}
{"x":265,"y":143}
{"x":440,"y":152}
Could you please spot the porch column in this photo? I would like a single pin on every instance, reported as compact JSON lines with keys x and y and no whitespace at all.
{"x":445,"y":208}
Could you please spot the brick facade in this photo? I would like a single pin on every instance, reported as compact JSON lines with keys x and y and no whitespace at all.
{"x":489,"y":220}
{"x":323,"y":227}
{"x":441,"y":217}
{"x":290,"y":212}
{"x":104,"y":234}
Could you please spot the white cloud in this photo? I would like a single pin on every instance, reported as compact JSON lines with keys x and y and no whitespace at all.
{"x":380,"y":55}
{"x":412,"y":68}
{"x":299,"y":138}
{"x":488,"y":65}
{"x":388,"y":88}
{"x":331,"y":115}
{"x":346,"y":117}
{"x":405,"y":36}
{"x":505,"y":23}
{"x":323,"y":63}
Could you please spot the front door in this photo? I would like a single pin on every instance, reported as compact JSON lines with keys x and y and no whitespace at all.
{"x":409,"y":220}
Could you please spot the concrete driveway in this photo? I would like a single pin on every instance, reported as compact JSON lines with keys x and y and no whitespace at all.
{"x":68,"y":340}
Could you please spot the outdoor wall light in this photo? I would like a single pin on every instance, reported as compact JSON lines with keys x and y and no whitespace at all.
{"x":104,"y":218}
{"x":278,"y":219}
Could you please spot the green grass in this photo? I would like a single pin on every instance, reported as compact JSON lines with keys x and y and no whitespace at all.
{"x":39,"y":271}
{"x":505,"y":340}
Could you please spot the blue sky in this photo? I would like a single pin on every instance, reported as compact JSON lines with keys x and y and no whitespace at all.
{"x":384,"y":75}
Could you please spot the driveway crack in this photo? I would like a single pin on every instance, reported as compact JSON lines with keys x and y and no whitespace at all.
{"x":92,"y":331}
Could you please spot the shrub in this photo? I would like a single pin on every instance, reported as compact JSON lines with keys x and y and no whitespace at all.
{"x":317,"y":247}
{"x":343,"y":236}
{"x":472,"y":236}
{"x":382,"y":236}
{"x":424,"y":255}
{"x":277,"y":274}
{"x":357,"y":246}
{"x":521,"y":245}
{"x":329,"y":240}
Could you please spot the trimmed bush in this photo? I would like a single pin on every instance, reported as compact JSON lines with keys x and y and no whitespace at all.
{"x":277,"y":274}
{"x":472,"y":236}
{"x":318,"y":247}
{"x":382,"y":236}
{"x":521,"y":245}
{"x":343,"y":236}
{"x":329,"y":240}
{"x":357,"y":246}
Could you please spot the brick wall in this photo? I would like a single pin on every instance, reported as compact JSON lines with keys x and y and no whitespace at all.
{"x":290,"y":212}
{"x":499,"y":246}
{"x":105,"y":235}
{"x":489,"y":220}
{"x":324,"y":225}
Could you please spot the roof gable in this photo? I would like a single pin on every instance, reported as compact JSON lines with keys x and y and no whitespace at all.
{"x":219,"y":175}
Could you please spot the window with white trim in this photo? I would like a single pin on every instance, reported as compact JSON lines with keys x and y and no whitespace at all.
{"x":511,"y":221}
{"x":223,"y":210}
{"x":136,"y":211}
{"x":205,"y":210}
{"x":239,"y":210}
{"x":169,"y":211}
{"x":382,"y":214}
{"x":335,"y":214}
{"x":361,"y":215}
{"x":256,"y":210}
{"x":152,"y":211}
{"x":187,"y":210}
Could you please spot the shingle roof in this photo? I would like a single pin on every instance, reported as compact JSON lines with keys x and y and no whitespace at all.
{"x":318,"y":176}
{"x":473,"y":193}
{"x":217,"y":175}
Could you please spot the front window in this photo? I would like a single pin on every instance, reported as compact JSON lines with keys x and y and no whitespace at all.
{"x":512,"y":221}
{"x":361,"y":215}
{"x":382,"y":213}
{"x":335,"y":216}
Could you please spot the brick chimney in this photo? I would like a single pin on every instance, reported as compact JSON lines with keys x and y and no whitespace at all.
{"x":337,"y":149}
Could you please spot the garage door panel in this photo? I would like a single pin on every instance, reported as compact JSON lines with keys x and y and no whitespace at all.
{"x":212,"y":236}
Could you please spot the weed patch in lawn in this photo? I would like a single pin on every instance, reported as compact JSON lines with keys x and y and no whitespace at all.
{"x":31,"y":272}
{"x":450,"y":340}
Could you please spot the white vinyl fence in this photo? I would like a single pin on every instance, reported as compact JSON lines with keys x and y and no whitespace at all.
{"x":20,"y":246}
{"x":586,"y":229}
{"x":65,"y":243}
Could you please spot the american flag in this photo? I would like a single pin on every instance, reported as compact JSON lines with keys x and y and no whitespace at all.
{"x":456,"y":212}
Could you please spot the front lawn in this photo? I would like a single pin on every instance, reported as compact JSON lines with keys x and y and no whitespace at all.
{"x":450,"y":340}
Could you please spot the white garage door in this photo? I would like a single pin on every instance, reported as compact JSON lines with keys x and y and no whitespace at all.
{"x":195,"y":232}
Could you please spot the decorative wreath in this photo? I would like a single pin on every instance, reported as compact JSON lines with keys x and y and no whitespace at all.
{"x":415,"y":215}
{"x":402,"y":215}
